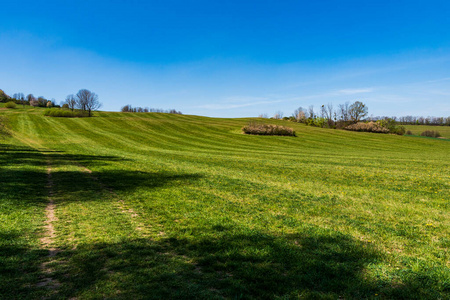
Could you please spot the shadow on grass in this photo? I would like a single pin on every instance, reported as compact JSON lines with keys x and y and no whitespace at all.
{"x":24,"y":195}
{"x":27,"y":156}
{"x":218,"y":262}
{"x":24,"y":177}
{"x":237,"y":265}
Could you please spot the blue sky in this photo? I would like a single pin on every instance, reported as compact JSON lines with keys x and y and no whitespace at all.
{"x":232,"y":58}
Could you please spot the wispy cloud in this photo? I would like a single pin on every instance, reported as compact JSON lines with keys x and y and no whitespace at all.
{"x":354,"y":91}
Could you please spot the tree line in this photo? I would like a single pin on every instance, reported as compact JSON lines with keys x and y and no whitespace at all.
{"x":129,"y":108}
{"x":348,"y":113}
{"x":84,"y":100}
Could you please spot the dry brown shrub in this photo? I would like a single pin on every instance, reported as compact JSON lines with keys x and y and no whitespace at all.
{"x":367,"y":127}
{"x":268,"y":129}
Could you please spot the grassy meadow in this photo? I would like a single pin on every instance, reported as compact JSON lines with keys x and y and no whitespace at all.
{"x":418,"y":129}
{"x":151,"y":205}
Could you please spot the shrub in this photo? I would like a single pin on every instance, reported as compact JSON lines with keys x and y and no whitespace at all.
{"x":409,"y":132}
{"x":381,"y":126}
{"x":316,"y":122}
{"x":391,"y":124}
{"x":431,"y":133}
{"x":400,"y":130}
{"x":65,"y":113}
{"x":367,"y":127}
{"x":268,"y":129}
{"x":10,"y":104}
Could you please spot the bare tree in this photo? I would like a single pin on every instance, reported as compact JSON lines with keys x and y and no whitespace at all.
{"x":329,"y":114}
{"x":87,"y":101}
{"x":357,"y":111}
{"x":278,"y":115}
{"x":299,"y":114}
{"x":71,"y":102}
{"x":311,"y":111}
{"x":344,"y":111}
{"x":19,"y":97}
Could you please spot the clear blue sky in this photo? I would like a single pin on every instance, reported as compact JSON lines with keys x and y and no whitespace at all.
{"x":232,"y":58}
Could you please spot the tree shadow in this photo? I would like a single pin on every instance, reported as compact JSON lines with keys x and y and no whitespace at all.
{"x":24,"y":181}
{"x":220,"y":261}
{"x":235,"y":265}
{"x":24,"y":194}
{"x":26,"y":156}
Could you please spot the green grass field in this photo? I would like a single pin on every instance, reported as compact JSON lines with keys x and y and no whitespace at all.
{"x":177,"y":206}
{"x":418,"y":129}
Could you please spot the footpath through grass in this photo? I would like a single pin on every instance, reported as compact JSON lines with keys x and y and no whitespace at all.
{"x":174,"y":206}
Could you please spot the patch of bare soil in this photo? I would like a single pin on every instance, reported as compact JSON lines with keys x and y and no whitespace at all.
{"x":47,"y":239}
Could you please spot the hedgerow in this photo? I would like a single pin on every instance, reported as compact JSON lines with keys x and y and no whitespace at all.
{"x":65,"y":113}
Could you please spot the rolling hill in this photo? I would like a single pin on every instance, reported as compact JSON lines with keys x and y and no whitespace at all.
{"x":150,"y":205}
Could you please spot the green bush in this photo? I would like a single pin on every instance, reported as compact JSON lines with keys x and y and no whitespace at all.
{"x":268,"y":129}
{"x":431,"y":133}
{"x":392,"y":126}
{"x":54,"y":112}
{"x":409,"y":132}
{"x":316,"y":122}
{"x":10,"y":104}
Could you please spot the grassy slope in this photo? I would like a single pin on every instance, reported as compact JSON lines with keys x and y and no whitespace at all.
{"x":186,"y":206}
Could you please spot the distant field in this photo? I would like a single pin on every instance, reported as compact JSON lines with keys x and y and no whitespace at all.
{"x":418,"y":129}
{"x":176,"y":206}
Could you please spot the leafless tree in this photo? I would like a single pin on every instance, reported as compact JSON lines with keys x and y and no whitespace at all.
{"x":343,"y":111}
{"x":329,"y":114}
{"x":278,"y":115}
{"x":299,"y":114}
{"x":87,"y":101}
{"x":311,"y":111}
{"x":71,"y":102}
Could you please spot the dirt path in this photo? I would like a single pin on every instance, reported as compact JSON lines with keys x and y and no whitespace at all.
{"x":49,"y":236}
